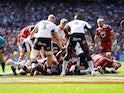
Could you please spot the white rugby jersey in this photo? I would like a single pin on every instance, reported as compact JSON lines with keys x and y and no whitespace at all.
{"x":78,"y":26}
{"x":44,"y":28}
{"x":61,"y":32}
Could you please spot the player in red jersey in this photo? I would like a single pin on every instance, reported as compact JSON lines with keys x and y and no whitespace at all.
{"x":104,"y":31}
{"x":100,"y":60}
{"x":24,"y":33}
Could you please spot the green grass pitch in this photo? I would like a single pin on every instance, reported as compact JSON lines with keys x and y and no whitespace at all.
{"x":64,"y":88}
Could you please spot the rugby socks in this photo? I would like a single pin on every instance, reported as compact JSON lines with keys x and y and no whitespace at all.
{"x":86,"y":71}
{"x":90,"y":63}
{"x":64,"y":66}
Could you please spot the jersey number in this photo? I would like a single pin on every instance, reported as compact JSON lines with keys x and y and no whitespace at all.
{"x":45,"y":25}
{"x":103,"y":34}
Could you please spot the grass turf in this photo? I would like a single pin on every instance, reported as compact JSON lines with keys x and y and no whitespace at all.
{"x":62,"y":88}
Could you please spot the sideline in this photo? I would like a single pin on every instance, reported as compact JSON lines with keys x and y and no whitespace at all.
{"x":62,"y":80}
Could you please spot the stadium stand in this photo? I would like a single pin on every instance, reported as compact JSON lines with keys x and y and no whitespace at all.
{"x":14,"y":15}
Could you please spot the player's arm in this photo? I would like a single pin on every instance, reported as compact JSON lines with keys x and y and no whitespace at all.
{"x":114,"y":37}
{"x":55,"y":38}
{"x":66,"y":31}
{"x":96,"y":39}
{"x":35,"y":30}
{"x":88,"y":27}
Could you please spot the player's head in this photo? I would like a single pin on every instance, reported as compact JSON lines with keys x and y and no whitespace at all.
{"x":78,"y":16}
{"x":51,"y":18}
{"x":63,"y":22}
{"x":122,"y":24}
{"x":100,"y":22}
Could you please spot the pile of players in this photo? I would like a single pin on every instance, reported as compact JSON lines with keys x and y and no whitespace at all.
{"x":65,"y":49}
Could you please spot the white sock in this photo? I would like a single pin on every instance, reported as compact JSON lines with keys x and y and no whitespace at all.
{"x":90,"y":63}
{"x":86,"y":71}
{"x":64,"y":66}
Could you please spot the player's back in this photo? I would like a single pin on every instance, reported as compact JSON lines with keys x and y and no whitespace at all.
{"x":77,"y":26}
{"x":98,"y":58}
{"x":44,"y":28}
{"x":25,"y":32}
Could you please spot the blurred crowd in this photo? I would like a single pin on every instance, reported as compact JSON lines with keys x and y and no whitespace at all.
{"x":15,"y":15}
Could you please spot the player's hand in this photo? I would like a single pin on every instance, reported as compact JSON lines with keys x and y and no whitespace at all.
{"x":91,"y":48}
{"x":63,"y":49}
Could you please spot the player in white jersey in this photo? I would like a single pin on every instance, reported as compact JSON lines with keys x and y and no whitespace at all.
{"x":45,"y":30}
{"x":61,"y":33}
{"x":77,"y":28}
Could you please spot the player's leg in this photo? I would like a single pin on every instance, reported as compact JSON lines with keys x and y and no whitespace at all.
{"x":34,"y":53}
{"x":42,"y":53}
{"x":49,"y":53}
{"x":84,"y":47}
{"x":2,"y":61}
{"x":84,"y":68}
{"x":68,"y":55}
{"x":69,"y":51}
